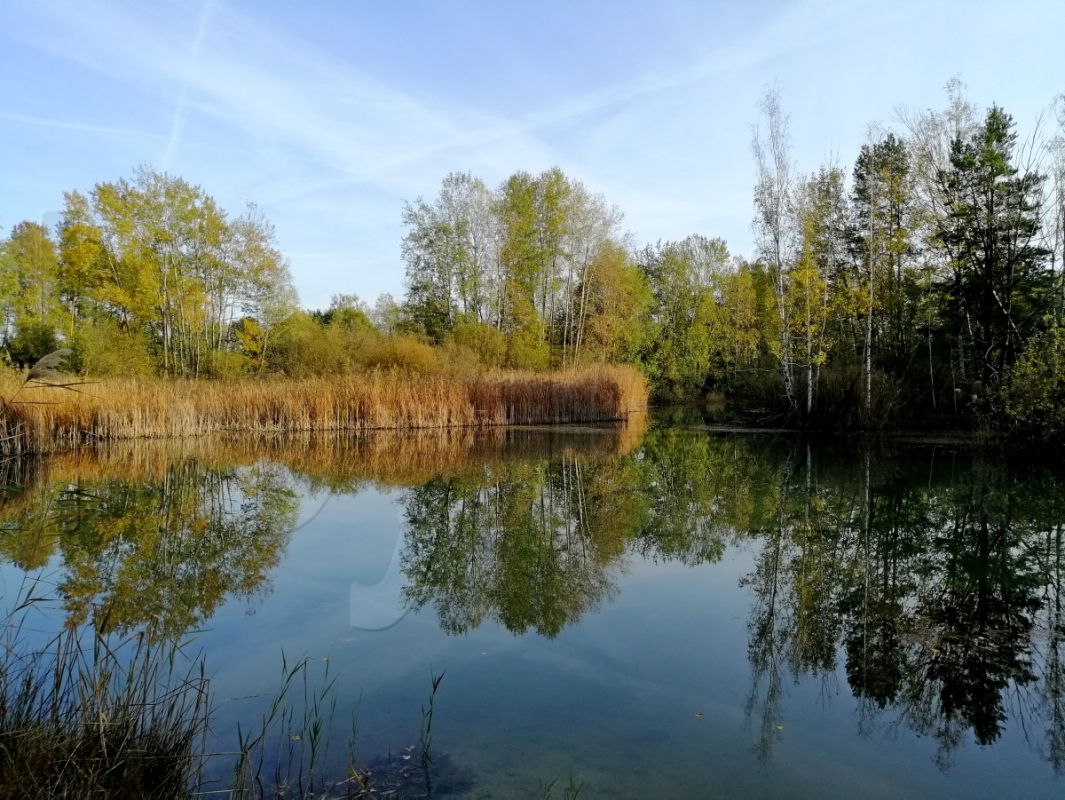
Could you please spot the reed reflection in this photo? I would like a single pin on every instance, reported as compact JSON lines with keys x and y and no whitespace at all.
{"x":160,"y":535}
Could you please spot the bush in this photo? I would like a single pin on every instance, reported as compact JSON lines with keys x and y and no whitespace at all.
{"x":486,"y":341}
{"x":103,"y":349}
{"x":225,"y":365}
{"x":33,"y":339}
{"x":1034,"y":402}
{"x":300,"y":347}
{"x":528,"y":351}
{"x":460,"y":360}
{"x":403,"y":352}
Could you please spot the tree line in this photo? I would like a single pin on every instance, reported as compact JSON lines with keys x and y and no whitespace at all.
{"x":924,"y":284}
{"x":926,"y":278}
{"x":141,"y":275}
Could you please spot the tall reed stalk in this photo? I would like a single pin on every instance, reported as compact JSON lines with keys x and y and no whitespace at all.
{"x":84,"y":716}
{"x":381,"y":399}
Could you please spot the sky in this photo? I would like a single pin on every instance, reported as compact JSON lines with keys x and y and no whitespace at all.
{"x":329,"y":115}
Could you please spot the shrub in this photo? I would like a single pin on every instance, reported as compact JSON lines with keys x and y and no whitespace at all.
{"x":103,"y":349}
{"x":528,"y":351}
{"x":402,"y":352}
{"x":225,"y":364}
{"x":32,"y":340}
{"x":1034,"y":402}
{"x":301,"y":347}
{"x":486,"y":341}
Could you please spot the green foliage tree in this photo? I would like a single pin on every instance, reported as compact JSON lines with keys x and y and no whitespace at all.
{"x":33,"y":339}
{"x":678,"y":347}
{"x":29,"y":303}
{"x":518,"y":258}
{"x":882,"y":205}
{"x":31,"y":254}
{"x":614,"y":310}
{"x":1035,"y":396}
{"x":813,"y":289}
{"x":155,"y":259}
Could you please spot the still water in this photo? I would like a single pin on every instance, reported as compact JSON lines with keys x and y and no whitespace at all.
{"x":655,"y":611}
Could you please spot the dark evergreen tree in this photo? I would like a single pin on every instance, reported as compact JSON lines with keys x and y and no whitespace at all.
{"x":999,"y":283}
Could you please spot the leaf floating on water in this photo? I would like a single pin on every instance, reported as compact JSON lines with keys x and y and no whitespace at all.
{"x":699,"y":715}
{"x":295,"y":737}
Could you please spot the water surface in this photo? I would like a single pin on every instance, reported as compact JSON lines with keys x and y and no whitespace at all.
{"x":676,"y":613}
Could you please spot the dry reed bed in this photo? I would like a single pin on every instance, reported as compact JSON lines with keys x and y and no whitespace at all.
{"x":132,"y":409}
{"x":336,"y":460}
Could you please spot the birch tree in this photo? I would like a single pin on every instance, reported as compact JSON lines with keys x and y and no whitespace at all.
{"x":774,"y":224}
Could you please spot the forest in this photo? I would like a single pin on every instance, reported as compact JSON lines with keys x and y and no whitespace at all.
{"x":924,"y":284}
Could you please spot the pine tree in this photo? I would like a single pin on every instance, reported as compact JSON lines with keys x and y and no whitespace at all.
{"x":999,"y":282}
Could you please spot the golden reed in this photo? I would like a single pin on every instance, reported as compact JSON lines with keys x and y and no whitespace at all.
{"x":47,"y":420}
{"x":337,"y":460}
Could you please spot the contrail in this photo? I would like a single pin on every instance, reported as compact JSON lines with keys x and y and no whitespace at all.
{"x":177,"y":126}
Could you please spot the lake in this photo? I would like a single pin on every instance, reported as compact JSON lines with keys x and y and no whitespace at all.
{"x":659,"y":610}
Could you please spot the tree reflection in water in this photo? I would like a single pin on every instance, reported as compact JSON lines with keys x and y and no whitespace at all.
{"x":932,"y":576}
{"x":935,"y":577}
{"x":164,"y":551}
{"x":929,"y":578}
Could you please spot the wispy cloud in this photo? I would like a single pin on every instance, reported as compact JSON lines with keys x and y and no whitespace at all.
{"x":177,"y":126}
{"x":74,"y":125}
{"x":330,"y":131}
{"x":271,"y":84}
{"x":330,"y":147}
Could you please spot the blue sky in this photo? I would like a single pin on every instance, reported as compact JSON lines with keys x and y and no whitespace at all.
{"x":329,"y":115}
